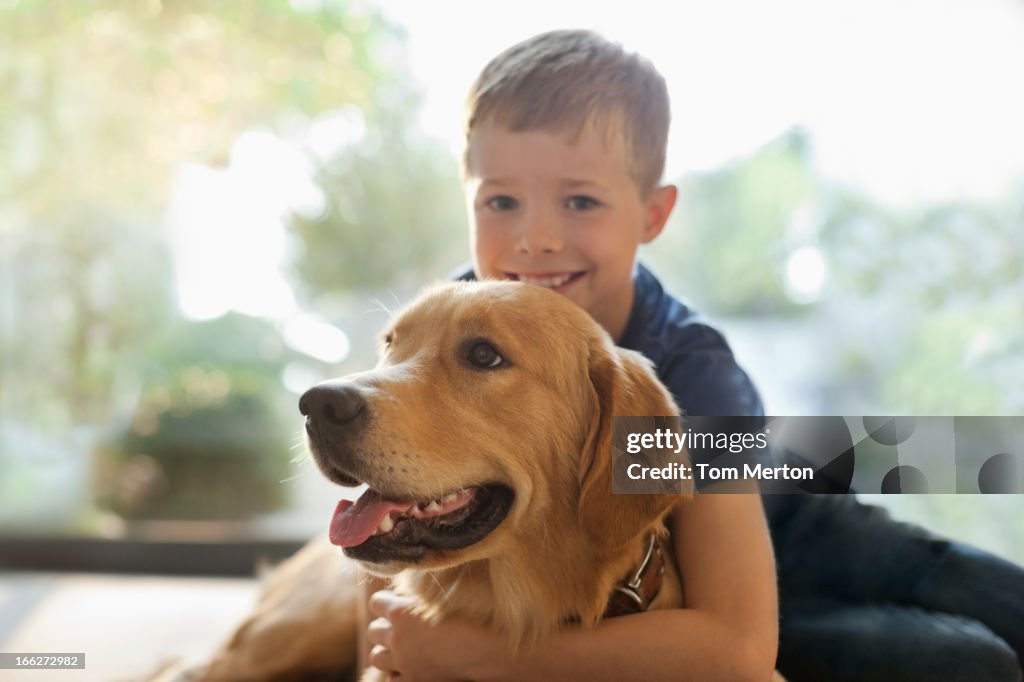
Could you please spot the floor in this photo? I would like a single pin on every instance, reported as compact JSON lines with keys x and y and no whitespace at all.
{"x":124,"y":625}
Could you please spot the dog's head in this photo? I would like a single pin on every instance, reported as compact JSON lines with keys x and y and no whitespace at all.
{"x":486,"y":422}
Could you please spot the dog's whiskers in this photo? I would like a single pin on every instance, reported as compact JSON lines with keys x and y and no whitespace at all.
{"x":365,"y":577}
{"x":397,"y":302}
{"x":446,"y":594}
{"x":381,"y":308}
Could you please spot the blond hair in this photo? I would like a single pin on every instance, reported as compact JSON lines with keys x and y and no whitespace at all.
{"x":569,"y":79}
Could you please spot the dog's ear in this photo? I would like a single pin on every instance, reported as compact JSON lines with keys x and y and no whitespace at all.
{"x":624,"y":385}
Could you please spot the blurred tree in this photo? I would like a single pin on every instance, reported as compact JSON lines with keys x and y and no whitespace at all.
{"x":209,"y":437}
{"x":393,"y":217}
{"x":726,"y":246}
{"x":103,"y":98}
{"x":939,"y":291}
{"x":919,"y":309}
{"x":83,"y":307}
{"x":103,"y":101}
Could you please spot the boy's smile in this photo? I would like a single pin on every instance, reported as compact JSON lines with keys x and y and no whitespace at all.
{"x":562,"y":212}
{"x":559,"y":281}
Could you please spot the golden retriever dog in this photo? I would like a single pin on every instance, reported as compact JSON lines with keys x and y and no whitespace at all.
{"x":484,"y":436}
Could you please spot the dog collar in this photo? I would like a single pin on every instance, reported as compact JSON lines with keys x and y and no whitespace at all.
{"x":637,"y":591}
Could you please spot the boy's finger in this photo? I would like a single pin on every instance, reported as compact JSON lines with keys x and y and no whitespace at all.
{"x":385,"y":603}
{"x":382,"y":659}
{"x":380,"y":602}
{"x":379,"y":631}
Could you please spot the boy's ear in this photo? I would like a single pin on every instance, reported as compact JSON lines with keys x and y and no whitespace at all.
{"x":659,"y":207}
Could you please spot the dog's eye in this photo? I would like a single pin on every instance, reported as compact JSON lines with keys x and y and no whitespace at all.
{"x":484,"y":356}
{"x":387,"y":341}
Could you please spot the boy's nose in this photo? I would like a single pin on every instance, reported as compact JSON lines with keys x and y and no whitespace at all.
{"x":539,"y":234}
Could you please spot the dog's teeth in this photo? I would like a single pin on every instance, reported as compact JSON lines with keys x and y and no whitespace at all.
{"x":386,"y":524}
{"x":449,"y":497}
{"x":433,"y":506}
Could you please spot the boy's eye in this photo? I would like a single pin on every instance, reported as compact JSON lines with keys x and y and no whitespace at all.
{"x":581,"y":203}
{"x":502,"y":203}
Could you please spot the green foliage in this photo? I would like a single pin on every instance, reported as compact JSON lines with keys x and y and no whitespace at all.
{"x":941,"y":288}
{"x":394,"y":217}
{"x":207,"y":438}
{"x":102,"y":98}
{"x":103,"y":101}
{"x":218,"y":461}
{"x":920,"y":311}
{"x":85,"y":305}
{"x":726,"y":245}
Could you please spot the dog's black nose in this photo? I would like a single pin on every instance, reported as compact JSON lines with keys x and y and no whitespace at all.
{"x":333,"y":403}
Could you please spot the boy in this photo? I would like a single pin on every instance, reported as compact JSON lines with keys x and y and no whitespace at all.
{"x":566,"y":137}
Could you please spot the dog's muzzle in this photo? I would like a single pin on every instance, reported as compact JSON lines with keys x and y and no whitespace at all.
{"x":336,"y":412}
{"x":332,"y":405}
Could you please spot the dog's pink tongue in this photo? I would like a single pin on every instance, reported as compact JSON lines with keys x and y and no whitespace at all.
{"x":353,"y":522}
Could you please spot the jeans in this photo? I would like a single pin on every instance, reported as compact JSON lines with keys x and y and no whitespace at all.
{"x":864,"y":597}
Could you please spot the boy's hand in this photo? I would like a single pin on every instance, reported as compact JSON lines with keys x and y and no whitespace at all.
{"x":414,"y":650}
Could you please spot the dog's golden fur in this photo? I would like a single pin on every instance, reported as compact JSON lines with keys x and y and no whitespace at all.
{"x":540,"y":424}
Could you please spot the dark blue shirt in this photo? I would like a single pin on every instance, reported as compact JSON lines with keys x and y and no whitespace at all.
{"x":691,"y":357}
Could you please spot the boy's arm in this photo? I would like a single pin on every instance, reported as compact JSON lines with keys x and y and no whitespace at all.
{"x":728,"y":630}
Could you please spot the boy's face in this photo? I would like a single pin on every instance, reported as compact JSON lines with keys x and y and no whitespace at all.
{"x":560,"y":213}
